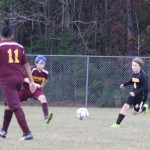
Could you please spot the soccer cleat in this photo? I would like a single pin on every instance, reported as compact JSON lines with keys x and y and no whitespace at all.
{"x":115,"y":125}
{"x":49,"y":118}
{"x":3,"y":134}
{"x":146,"y":111}
{"x":26,"y":136}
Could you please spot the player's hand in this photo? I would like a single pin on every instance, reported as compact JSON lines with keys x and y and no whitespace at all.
{"x":132,"y":94}
{"x":37,"y":85}
{"x":32,"y":87}
{"x":122,"y":86}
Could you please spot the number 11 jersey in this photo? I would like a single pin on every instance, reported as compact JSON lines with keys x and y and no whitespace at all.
{"x":12,"y":57}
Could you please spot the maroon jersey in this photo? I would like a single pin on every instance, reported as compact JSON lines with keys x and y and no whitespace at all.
{"x":38,"y":76}
{"x":12,"y":57}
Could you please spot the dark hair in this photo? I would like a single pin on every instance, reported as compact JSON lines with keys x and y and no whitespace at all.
{"x":6,"y":31}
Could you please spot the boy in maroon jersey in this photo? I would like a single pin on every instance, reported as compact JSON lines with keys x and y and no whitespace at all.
{"x":40,"y":76}
{"x":12,"y":58}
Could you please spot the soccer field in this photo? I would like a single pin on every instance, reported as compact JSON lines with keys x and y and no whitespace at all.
{"x":66,"y":132}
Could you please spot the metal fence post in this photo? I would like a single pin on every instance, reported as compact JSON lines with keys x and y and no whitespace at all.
{"x":87,"y":79}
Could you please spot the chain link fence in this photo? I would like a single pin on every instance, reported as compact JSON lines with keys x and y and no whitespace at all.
{"x":87,"y":81}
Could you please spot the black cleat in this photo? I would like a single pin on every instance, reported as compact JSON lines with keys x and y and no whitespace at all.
{"x":3,"y":134}
{"x":26,"y":136}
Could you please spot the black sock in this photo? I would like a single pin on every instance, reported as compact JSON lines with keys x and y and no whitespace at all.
{"x":120,"y":118}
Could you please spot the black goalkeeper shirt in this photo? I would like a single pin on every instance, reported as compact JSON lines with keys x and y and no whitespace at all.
{"x":140,"y":83}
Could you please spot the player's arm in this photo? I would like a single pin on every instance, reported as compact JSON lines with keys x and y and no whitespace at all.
{"x":29,"y":74}
{"x":130,"y":82}
{"x":26,"y":80}
{"x":122,"y":86}
{"x":45,"y":80}
{"x":44,"y":83}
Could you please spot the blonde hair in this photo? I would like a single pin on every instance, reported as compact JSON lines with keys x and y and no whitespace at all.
{"x":139,"y":61}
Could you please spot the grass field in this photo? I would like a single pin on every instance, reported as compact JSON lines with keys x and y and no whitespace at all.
{"x":66,"y":132}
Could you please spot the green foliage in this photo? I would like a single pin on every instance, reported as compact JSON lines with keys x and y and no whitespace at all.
{"x":39,"y":45}
{"x":67,"y":43}
{"x":93,"y":28}
{"x":147,"y":1}
{"x":148,"y":28}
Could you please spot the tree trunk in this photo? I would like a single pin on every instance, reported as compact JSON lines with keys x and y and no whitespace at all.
{"x":105,"y":27}
{"x":130,"y":38}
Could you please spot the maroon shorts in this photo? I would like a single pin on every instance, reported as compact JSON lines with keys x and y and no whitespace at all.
{"x":25,"y":94}
{"x":11,"y":95}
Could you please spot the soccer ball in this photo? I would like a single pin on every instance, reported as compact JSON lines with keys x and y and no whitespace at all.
{"x":82,"y":113}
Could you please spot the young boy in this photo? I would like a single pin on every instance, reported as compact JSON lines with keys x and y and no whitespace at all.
{"x":138,"y":95}
{"x":40,"y":76}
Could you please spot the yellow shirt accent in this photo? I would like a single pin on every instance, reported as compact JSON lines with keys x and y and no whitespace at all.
{"x":38,"y":79}
{"x":135,"y":80}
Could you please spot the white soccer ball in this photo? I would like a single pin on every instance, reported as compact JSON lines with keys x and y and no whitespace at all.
{"x":82,"y":113}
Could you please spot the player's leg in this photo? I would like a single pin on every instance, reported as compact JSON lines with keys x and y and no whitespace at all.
{"x":48,"y":116}
{"x":6,"y":121}
{"x":126,"y":106}
{"x":121,"y":115}
{"x":137,"y":105}
{"x":39,"y":95}
{"x":14,"y":104}
{"x":44,"y":104}
{"x":143,"y":110}
{"x":7,"y":112}
{"x":145,"y":106}
{"x":136,"y":109}
{"x":20,"y":116}
{"x":25,"y":94}
{"x":140,"y":106}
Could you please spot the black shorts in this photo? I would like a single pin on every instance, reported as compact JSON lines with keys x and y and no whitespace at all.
{"x":132,"y":101}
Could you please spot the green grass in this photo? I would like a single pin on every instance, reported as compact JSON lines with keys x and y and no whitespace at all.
{"x":66,"y":132}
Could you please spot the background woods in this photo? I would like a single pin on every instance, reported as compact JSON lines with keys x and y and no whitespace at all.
{"x":84,"y":27}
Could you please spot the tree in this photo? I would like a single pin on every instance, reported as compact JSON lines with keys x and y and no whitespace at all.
{"x":130,"y":36}
{"x":96,"y":27}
